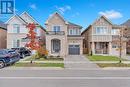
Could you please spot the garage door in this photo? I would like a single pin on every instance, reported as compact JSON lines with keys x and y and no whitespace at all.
{"x":74,"y":49}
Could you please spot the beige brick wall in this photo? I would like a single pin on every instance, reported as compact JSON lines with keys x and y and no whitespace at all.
{"x":56,"y":20}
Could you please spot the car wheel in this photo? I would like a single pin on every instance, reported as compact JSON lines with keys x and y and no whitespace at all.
{"x":2,"y":64}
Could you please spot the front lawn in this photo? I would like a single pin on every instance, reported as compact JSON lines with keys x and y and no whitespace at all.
{"x":100,"y":58}
{"x":103,"y":58}
{"x":19,"y":64}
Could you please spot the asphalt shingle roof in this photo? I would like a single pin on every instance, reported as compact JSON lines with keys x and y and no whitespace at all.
{"x":2,"y":25}
{"x":74,"y":24}
{"x":127,"y":23}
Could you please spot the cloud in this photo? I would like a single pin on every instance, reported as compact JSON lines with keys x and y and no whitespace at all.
{"x":111,"y":14}
{"x":33,"y":6}
{"x":63,"y":9}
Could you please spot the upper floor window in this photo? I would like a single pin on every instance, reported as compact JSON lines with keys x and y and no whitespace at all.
{"x":74,"y":32}
{"x":101,"y":30}
{"x":56,"y":28}
{"x":16,"y":28}
{"x":115,"y":31}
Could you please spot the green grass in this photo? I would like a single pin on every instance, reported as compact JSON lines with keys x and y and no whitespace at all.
{"x":107,"y":58}
{"x":39,"y":65}
{"x":102,"y":65}
{"x":43,"y":59}
{"x":103,"y":58}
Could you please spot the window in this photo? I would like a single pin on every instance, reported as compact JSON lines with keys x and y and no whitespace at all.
{"x":16,"y":28}
{"x":74,"y":32}
{"x":16,"y":43}
{"x":56,"y":28}
{"x":55,"y":46}
{"x":101,"y":30}
{"x":71,"y":32}
{"x":115,"y":31}
{"x":115,"y":46}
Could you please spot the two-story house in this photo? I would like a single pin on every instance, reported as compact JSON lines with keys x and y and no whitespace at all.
{"x":17,"y":30}
{"x":102,"y":38}
{"x":62,"y":37}
{"x":3,"y":35}
{"x":127,"y":24}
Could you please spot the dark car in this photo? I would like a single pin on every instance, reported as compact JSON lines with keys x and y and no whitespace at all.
{"x":22,"y":51}
{"x":8,"y":57}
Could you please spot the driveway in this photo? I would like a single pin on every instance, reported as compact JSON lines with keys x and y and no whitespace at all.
{"x":78,"y":62}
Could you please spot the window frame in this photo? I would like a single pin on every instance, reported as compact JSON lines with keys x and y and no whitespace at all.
{"x":101,"y":30}
{"x":16,"y":28}
{"x":55,"y":29}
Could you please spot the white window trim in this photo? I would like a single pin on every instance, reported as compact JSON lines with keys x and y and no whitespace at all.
{"x":74,"y":32}
{"x":114,"y":32}
{"x":94,"y":28}
{"x":16,"y":31}
{"x":16,"y":43}
{"x":52,"y":29}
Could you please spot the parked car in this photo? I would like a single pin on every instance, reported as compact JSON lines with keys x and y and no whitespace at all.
{"x":8,"y":57}
{"x":22,"y":51}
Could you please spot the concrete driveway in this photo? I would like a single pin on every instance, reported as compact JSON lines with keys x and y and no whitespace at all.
{"x":78,"y":62}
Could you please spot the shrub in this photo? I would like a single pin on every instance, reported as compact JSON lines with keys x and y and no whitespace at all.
{"x":58,"y":56}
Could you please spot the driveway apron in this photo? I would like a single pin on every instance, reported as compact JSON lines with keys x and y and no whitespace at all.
{"x":78,"y":62}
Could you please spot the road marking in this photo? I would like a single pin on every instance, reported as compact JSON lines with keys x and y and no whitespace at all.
{"x":67,"y":78}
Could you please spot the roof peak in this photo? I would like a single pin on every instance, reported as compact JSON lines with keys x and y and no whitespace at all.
{"x":53,"y":14}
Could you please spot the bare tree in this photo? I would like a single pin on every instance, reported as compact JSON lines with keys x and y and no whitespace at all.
{"x":121,"y":38}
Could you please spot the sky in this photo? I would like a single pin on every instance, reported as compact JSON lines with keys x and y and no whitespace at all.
{"x":82,"y":12}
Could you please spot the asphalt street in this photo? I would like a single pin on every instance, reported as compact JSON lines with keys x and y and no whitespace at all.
{"x":64,"y":78}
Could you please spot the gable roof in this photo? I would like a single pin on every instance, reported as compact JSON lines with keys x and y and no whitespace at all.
{"x":18,"y":17}
{"x":29,"y":16}
{"x":56,"y":13}
{"x":127,"y":23}
{"x":86,"y":29}
{"x":66,"y":22}
{"x":96,"y":21}
{"x":2,"y":25}
{"x":70,"y":23}
{"x":102,"y":16}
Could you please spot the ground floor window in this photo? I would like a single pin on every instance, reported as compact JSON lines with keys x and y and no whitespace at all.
{"x":101,"y":47}
{"x":55,"y":44}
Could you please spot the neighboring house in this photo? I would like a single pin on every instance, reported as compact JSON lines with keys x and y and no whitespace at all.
{"x":127,"y":24}
{"x":3,"y":35}
{"x":62,"y":37}
{"x":17,"y":30}
{"x":102,"y":38}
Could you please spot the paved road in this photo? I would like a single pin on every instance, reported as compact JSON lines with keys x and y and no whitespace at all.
{"x":65,"y":83}
{"x":64,"y":78}
{"x":78,"y":61}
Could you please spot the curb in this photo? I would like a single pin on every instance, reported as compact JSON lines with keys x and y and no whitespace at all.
{"x":33,"y":68}
{"x":116,"y":68}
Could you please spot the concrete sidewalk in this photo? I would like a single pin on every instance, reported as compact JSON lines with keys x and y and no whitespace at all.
{"x":84,"y":63}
